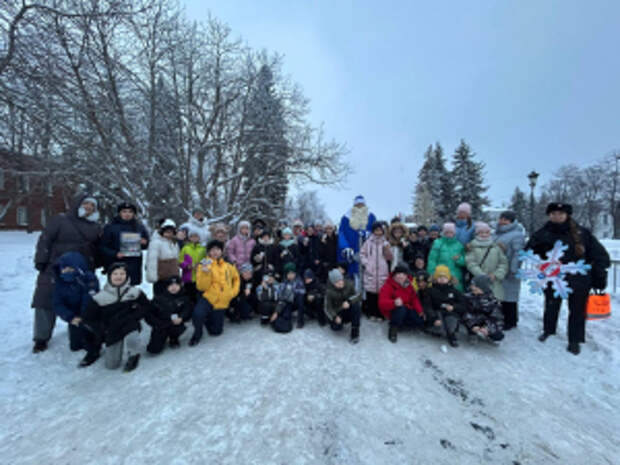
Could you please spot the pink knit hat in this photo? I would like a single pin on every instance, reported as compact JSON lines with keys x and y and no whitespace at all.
{"x":465,"y":208}
{"x":449,"y":227}
{"x":481,"y":227}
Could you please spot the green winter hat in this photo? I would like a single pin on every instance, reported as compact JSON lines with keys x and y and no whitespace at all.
{"x":290,"y":266}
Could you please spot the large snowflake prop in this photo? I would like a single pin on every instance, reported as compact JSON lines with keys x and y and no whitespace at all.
{"x":539,"y":272}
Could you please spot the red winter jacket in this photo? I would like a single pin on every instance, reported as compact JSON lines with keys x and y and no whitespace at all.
{"x":391,"y":290}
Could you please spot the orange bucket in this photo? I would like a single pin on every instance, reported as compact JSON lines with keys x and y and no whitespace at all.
{"x":598,"y":307}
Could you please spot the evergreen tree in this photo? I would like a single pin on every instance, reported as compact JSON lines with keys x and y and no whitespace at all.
{"x":519,"y":205}
{"x":423,"y":207}
{"x":467,"y":176}
{"x":434,"y":177}
{"x":446,"y":202}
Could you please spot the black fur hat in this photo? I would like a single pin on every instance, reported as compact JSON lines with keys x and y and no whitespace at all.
{"x":215,"y":243}
{"x":560,"y":207}
{"x":126,"y":206}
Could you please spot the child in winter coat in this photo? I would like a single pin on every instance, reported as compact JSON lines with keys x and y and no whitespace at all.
{"x":342,"y":304}
{"x":314,"y":298}
{"x":166,"y":315}
{"x":245,"y":303}
{"x":483,"y":315}
{"x":287,"y":251}
{"x":162,"y":256}
{"x":218,"y":281}
{"x":239,"y":248}
{"x":446,"y":305}
{"x":309,"y":247}
{"x":399,"y":303}
{"x":398,"y":237}
{"x":192,"y":253}
{"x":267,"y":294}
{"x":375,"y":255}
{"x":484,"y":257}
{"x":114,"y":316}
{"x":465,"y":228}
{"x":448,"y":251}
{"x":264,"y":257}
{"x":328,"y":251}
{"x":73,"y":289}
{"x":290,"y":297}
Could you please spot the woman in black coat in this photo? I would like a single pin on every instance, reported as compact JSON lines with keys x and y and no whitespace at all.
{"x":582,"y":245}
{"x":77,"y":230}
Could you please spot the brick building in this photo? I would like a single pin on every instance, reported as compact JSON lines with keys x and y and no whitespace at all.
{"x":28,"y":196}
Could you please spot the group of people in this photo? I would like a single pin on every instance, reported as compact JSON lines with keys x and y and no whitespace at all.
{"x":436,"y":279}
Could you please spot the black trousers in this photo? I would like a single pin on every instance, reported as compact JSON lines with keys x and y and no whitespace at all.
{"x":577,"y":302}
{"x":159,"y":336}
{"x":350,"y":315}
{"x":371,"y":305}
{"x":511,"y":314}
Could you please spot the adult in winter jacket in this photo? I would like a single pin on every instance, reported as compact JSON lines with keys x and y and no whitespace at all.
{"x":73,"y":290}
{"x":448,"y":251}
{"x":167,"y":314}
{"x":582,"y":245}
{"x":190,"y":256}
{"x":309,"y":250}
{"x":446,"y":304}
{"x":123,"y":240}
{"x":375,"y":255}
{"x":288,"y":251}
{"x":398,"y":237}
{"x":239,"y":248}
{"x":199,"y":223}
{"x":465,"y":228}
{"x":264,"y":257}
{"x":162,"y":256}
{"x":75,"y":231}
{"x":355,"y":226}
{"x":399,"y":302}
{"x":484,"y":257}
{"x":114,"y":316}
{"x":328,"y":251}
{"x":510,"y":235}
{"x":219,"y":283}
{"x":483,"y":315}
{"x":342,"y":304}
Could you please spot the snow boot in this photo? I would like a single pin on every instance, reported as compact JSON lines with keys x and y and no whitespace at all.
{"x":543,"y":337}
{"x":89,"y":359}
{"x":39,"y":346}
{"x":174,"y":342}
{"x":355,"y":335}
{"x":132,"y":363}
{"x":393,"y":333}
{"x":193,"y":341}
{"x":300,"y":324}
{"x":452,"y":340}
{"x":573,"y":348}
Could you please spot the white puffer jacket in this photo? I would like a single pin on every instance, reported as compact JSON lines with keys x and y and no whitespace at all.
{"x":160,"y":248}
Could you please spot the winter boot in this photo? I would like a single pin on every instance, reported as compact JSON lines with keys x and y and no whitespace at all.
{"x":355,"y":335}
{"x":194,"y":340}
{"x":174,"y":342}
{"x":300,"y":324}
{"x":452,"y":340}
{"x":543,"y":337}
{"x":573,"y":348}
{"x":132,"y":363}
{"x":393,"y":333}
{"x":39,"y":346}
{"x":89,"y":359}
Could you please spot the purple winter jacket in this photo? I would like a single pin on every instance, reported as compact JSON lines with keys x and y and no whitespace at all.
{"x":375,"y":255}
{"x":238,"y":249}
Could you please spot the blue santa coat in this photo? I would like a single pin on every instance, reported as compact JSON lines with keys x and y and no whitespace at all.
{"x":350,"y":238}
{"x":71,"y":296}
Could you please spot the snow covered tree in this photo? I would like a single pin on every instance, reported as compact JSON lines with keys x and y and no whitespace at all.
{"x":468,"y":179}
{"x":519,"y":205}
{"x":423,"y":207}
{"x":307,"y":207}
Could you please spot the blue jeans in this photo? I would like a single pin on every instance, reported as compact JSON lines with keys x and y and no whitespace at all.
{"x":205,"y":314}
{"x":404,"y":317}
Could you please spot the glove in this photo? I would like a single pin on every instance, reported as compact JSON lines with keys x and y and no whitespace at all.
{"x":348,"y":254}
{"x":40,"y":266}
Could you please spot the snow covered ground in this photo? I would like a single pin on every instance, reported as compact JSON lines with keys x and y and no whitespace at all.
{"x":254,"y":397}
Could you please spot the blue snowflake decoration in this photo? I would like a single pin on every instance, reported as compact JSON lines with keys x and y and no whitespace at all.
{"x":539,"y":273}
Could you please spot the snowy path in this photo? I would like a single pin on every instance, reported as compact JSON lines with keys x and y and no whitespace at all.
{"x":309,"y":397}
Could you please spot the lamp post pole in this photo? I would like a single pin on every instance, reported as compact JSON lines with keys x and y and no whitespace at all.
{"x":533,"y":177}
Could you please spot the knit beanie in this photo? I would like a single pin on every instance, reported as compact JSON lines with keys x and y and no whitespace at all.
{"x":309,"y":274}
{"x":449,"y":227}
{"x":442,"y":270}
{"x":288,"y":231}
{"x":482,"y":282}
{"x":434,"y":227}
{"x":289,"y":267}
{"x":464,"y":208}
{"x":401,"y":268}
{"x":481,"y":227}
{"x":335,"y":275}
{"x":246,"y":267}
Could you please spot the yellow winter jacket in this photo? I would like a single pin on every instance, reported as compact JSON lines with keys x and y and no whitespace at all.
{"x":219,"y":285}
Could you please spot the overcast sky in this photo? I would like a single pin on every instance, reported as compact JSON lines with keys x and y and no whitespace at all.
{"x":529,"y":84}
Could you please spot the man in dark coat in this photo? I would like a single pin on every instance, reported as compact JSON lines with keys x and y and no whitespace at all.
{"x":74,"y":231}
{"x":123,"y":241}
{"x":582,"y":245}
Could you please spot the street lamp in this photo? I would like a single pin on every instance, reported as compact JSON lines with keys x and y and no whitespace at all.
{"x":533,"y":177}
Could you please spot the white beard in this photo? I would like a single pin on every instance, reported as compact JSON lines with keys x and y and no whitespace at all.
{"x":359,"y":218}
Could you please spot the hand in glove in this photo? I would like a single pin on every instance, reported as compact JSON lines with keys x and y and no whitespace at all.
{"x":348,"y":254}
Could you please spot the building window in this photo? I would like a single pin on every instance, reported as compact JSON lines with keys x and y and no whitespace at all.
{"x":22,"y":216}
{"x":1,"y":179}
{"x":23,"y":183}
